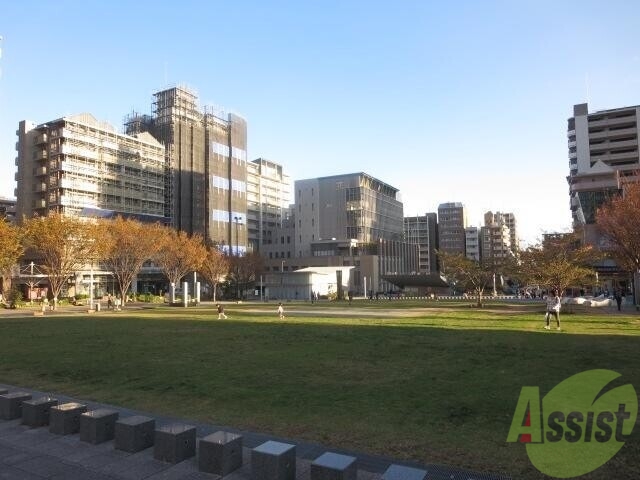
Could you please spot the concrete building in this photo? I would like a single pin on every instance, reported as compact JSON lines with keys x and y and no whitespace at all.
{"x":8,"y":209}
{"x":206,"y":161}
{"x":603,"y":154}
{"x":279,"y":244}
{"x":508,"y":219}
{"x":495,"y":243}
{"x":472,"y":243}
{"x":423,"y":231}
{"x":452,"y":220}
{"x":80,"y":166}
{"x":351,"y":206}
{"x":268,"y":201}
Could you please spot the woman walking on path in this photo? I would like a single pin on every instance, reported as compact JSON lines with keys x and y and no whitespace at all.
{"x":280,"y":311}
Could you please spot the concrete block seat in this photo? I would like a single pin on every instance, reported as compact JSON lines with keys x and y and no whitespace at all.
{"x":400,"y":472}
{"x":11,"y":405}
{"x":220,"y":453}
{"x":134,"y":434}
{"x":98,"y":426}
{"x":35,"y":412}
{"x":273,"y":461}
{"x":332,"y":466}
{"x":175,"y":443}
{"x":65,"y":419}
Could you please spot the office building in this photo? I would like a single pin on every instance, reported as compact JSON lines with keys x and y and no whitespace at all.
{"x":80,"y":166}
{"x":351,"y":206}
{"x":472,"y":243}
{"x":423,"y":231}
{"x":206,"y":161}
{"x":603,"y":154}
{"x":268,"y":202}
{"x":508,"y":219}
{"x":452,"y":220}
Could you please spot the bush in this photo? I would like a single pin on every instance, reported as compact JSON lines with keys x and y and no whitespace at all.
{"x":14,"y":298}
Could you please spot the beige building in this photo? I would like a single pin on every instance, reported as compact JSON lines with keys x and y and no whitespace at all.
{"x":80,"y":166}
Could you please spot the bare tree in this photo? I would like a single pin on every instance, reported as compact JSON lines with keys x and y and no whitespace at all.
{"x":245,"y":270}
{"x":179,"y":254}
{"x":215,"y":268}
{"x":124,"y":246}
{"x":63,"y":244}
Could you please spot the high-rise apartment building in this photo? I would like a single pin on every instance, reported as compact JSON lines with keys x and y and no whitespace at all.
{"x":268,"y":201}
{"x":80,"y":166}
{"x":603,"y":154}
{"x":452,"y":220}
{"x":206,"y":161}
{"x":351,"y":206}
{"x":423,"y":231}
{"x":495,"y":243}
{"x":508,"y":219}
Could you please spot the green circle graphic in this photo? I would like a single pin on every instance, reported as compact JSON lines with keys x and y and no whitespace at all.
{"x":582,"y":449}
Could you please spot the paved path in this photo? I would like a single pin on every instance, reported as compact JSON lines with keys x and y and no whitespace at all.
{"x":36,"y":454}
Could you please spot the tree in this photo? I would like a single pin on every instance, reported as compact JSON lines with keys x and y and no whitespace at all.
{"x":619,"y":220}
{"x":63,"y":244}
{"x":469,"y":274}
{"x":179,"y":254}
{"x":10,"y":251}
{"x":214,"y":267}
{"x":124,"y":247}
{"x":245,"y":270}
{"x":558,"y":262}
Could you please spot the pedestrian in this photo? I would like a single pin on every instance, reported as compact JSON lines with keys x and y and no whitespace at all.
{"x":618,"y":297}
{"x":109,"y":302}
{"x":280,"y":311}
{"x":553,"y":308}
{"x":350,"y":295}
{"x":221,"y":314}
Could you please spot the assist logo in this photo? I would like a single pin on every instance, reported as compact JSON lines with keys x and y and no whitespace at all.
{"x":578,"y":426}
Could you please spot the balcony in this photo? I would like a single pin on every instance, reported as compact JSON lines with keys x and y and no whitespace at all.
{"x":572,"y":144}
{"x":42,"y":138}
{"x":41,"y":171}
{"x":573,"y":154}
{"x":571,"y":133}
{"x":41,"y":155}
{"x":41,"y":187}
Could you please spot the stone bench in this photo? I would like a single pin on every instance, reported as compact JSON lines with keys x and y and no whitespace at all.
{"x":174,"y":443}
{"x":98,"y":426}
{"x":11,"y":405}
{"x":400,"y":472}
{"x":273,"y":461}
{"x":35,"y":413}
{"x":332,"y":466}
{"x":220,"y":453}
{"x":65,"y":419}
{"x":134,"y":434}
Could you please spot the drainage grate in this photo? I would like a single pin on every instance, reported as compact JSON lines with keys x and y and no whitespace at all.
{"x":441,"y":472}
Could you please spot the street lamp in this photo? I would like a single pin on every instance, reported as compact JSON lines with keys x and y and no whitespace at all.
{"x":237,"y":219}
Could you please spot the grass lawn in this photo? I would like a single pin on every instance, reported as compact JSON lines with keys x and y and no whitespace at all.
{"x":435,"y":385}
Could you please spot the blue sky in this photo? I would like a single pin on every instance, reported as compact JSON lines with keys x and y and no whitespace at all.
{"x":447,"y":101}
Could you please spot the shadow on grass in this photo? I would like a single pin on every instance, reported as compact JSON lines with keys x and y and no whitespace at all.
{"x":432,"y":394}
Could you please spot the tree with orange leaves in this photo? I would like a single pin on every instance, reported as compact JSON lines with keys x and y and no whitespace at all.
{"x":179,"y":254}
{"x":619,"y":220}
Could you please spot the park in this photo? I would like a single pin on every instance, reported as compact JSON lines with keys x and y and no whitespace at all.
{"x":433,"y":382}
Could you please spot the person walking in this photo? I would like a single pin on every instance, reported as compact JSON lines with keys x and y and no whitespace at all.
{"x":280,"y":311}
{"x":221,"y":314}
{"x":553,"y":308}
{"x":618,"y":297}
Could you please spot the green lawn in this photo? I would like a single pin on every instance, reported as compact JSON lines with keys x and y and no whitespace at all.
{"x":435,"y":385}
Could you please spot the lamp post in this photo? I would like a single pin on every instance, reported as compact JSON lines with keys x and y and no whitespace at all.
{"x":237,"y":219}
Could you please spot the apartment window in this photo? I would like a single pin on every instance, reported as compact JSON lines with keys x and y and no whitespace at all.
{"x":313,"y":222}
{"x":270,"y":255}
{"x":288,"y":239}
{"x":282,"y":240}
{"x":312,"y":207}
{"x":312,"y":191}
{"x":281,"y":254}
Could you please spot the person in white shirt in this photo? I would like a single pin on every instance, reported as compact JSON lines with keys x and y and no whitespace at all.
{"x":553,"y":308}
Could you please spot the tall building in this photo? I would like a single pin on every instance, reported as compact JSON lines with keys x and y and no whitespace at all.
{"x":472,"y":243}
{"x":206,"y":161}
{"x":268,"y":200}
{"x":423,"y":231}
{"x":495,"y":242}
{"x":452,"y":220}
{"x":508,"y":219}
{"x":603,"y":154}
{"x":351,"y":206}
{"x":78,"y":165}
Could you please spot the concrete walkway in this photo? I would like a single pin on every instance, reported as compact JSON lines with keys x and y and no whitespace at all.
{"x":36,"y":454}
